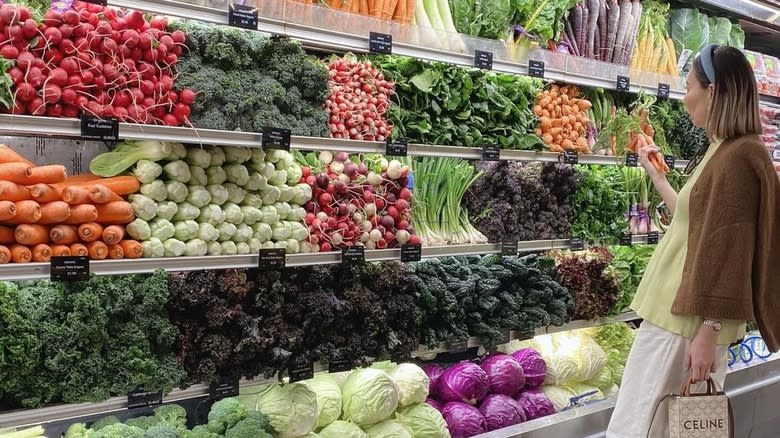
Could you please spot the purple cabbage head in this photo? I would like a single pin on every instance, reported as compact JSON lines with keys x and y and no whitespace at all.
{"x":463,"y":420}
{"x":434,"y":403}
{"x":464,"y":381}
{"x":433,"y":371}
{"x":505,"y":375}
{"x":533,"y":365}
{"x":501,"y":411}
{"x":535,"y":404}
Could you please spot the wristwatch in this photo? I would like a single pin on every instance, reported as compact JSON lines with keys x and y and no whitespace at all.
{"x":715,"y":325}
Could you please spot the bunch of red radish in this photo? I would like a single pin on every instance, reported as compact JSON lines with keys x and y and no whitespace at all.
{"x":95,"y":60}
{"x":354,"y":205}
{"x":359,"y":98}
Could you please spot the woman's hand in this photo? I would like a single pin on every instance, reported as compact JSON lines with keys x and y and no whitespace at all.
{"x":701,"y":354}
{"x":644,"y":151}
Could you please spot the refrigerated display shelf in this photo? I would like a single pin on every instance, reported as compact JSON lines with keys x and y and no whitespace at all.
{"x":758,"y":12}
{"x":34,"y":126}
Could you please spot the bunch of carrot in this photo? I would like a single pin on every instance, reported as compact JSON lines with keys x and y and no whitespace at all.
{"x":639,"y":140}
{"x":654,"y":49}
{"x":396,"y":10}
{"x":563,"y":122}
{"x":43,"y":213}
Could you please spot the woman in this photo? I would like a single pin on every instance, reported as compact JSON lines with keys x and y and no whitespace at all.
{"x":718,"y":265}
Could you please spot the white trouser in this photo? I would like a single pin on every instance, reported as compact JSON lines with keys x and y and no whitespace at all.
{"x":655,"y":368}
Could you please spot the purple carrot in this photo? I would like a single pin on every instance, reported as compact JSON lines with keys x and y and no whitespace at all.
{"x":583,"y":37}
{"x":622,"y":30}
{"x":593,"y":17}
{"x":637,"y":13}
{"x":567,"y":29}
{"x":612,"y":29}
{"x":576,"y":27}
{"x":602,"y":29}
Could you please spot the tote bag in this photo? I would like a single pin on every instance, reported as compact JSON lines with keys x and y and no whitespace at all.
{"x":706,"y":415}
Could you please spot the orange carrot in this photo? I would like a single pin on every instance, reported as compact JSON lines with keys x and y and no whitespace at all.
{"x":117,"y":212}
{"x":121,"y":185}
{"x":27,"y":212}
{"x":5,"y":254}
{"x":18,"y":173}
{"x":6,"y":235}
{"x":78,"y":249}
{"x":20,"y":254}
{"x":41,"y":253}
{"x":132,"y":248}
{"x":7,"y":210}
{"x":115,"y":251}
{"x":54,"y":213}
{"x":388,"y":6}
{"x":31,"y":234}
{"x":410,"y":6}
{"x":41,"y":193}
{"x":75,"y":195}
{"x":8,"y":155}
{"x":13,"y":192}
{"x":97,"y":250}
{"x":100,"y":194}
{"x":60,"y":250}
{"x":90,"y":231}
{"x":51,"y":174}
{"x":64,"y":234}
{"x":80,"y":214}
{"x":400,"y":11}
{"x":113,"y":234}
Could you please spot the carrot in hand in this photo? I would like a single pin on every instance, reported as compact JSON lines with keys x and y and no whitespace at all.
{"x":100,"y":194}
{"x":7,"y":210}
{"x":13,"y":192}
{"x":27,"y":212}
{"x":60,"y":251}
{"x":90,"y":231}
{"x":64,"y":234}
{"x":115,"y":251}
{"x":132,"y":249}
{"x":18,"y":173}
{"x":6,"y":235}
{"x":31,"y":234}
{"x":79,"y":249}
{"x":97,"y":250}
{"x":20,"y":254}
{"x":8,"y":155}
{"x":5,"y":254}
{"x":55,"y":212}
{"x":113,"y":234}
{"x":75,"y":195}
{"x":117,"y":212}
{"x":80,"y":214}
{"x":41,"y":253}
{"x":42,"y":193}
{"x":51,"y":174}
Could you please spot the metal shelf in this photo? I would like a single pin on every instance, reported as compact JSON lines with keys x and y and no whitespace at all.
{"x":754,"y":11}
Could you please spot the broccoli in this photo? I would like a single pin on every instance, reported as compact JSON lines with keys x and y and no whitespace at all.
{"x":143,"y":422}
{"x":225,"y":414}
{"x":250,"y":428}
{"x":201,"y":431}
{"x":103,"y":422}
{"x":120,"y":430}
{"x":161,"y":431}
{"x":172,"y":414}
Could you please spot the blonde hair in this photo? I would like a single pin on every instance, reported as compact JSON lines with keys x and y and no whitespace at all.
{"x":734,"y":109}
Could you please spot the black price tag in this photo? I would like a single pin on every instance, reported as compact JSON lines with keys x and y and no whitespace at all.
{"x":652,"y":238}
{"x":491,"y":152}
{"x":97,"y":2}
{"x":536,"y":69}
{"x":669,"y":160}
{"x":353,"y":254}
{"x":458,"y":345}
{"x":632,"y":159}
{"x":483,"y":59}
{"x":276,"y":138}
{"x":272,"y":259}
{"x":570,"y":157}
{"x":144,"y":399}
{"x":509,"y":248}
{"x":623,"y":83}
{"x":380,"y":43}
{"x":242,"y":16}
{"x":411,"y":253}
{"x":70,"y":268}
{"x":304,"y":372}
{"x":663,"y":91}
{"x":339,"y":365}
{"x":223,"y":388}
{"x":576,"y":244}
{"x":626,"y":239}
{"x":96,"y":128}
{"x":397,"y":148}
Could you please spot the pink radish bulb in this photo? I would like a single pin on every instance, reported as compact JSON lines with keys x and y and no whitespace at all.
{"x":402,"y":236}
{"x":402,"y":205}
{"x":341,"y":157}
{"x":388,"y":221}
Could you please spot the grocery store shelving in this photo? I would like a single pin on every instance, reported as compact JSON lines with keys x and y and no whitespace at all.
{"x":755,"y":11}
{"x":34,"y":126}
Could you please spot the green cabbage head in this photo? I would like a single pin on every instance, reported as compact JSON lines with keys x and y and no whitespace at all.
{"x":389,"y":429}
{"x":369,"y":396}
{"x":328,"y":398}
{"x":412,"y":383}
{"x":424,"y":421}
{"x":342,"y":429}
{"x":291,"y":409}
